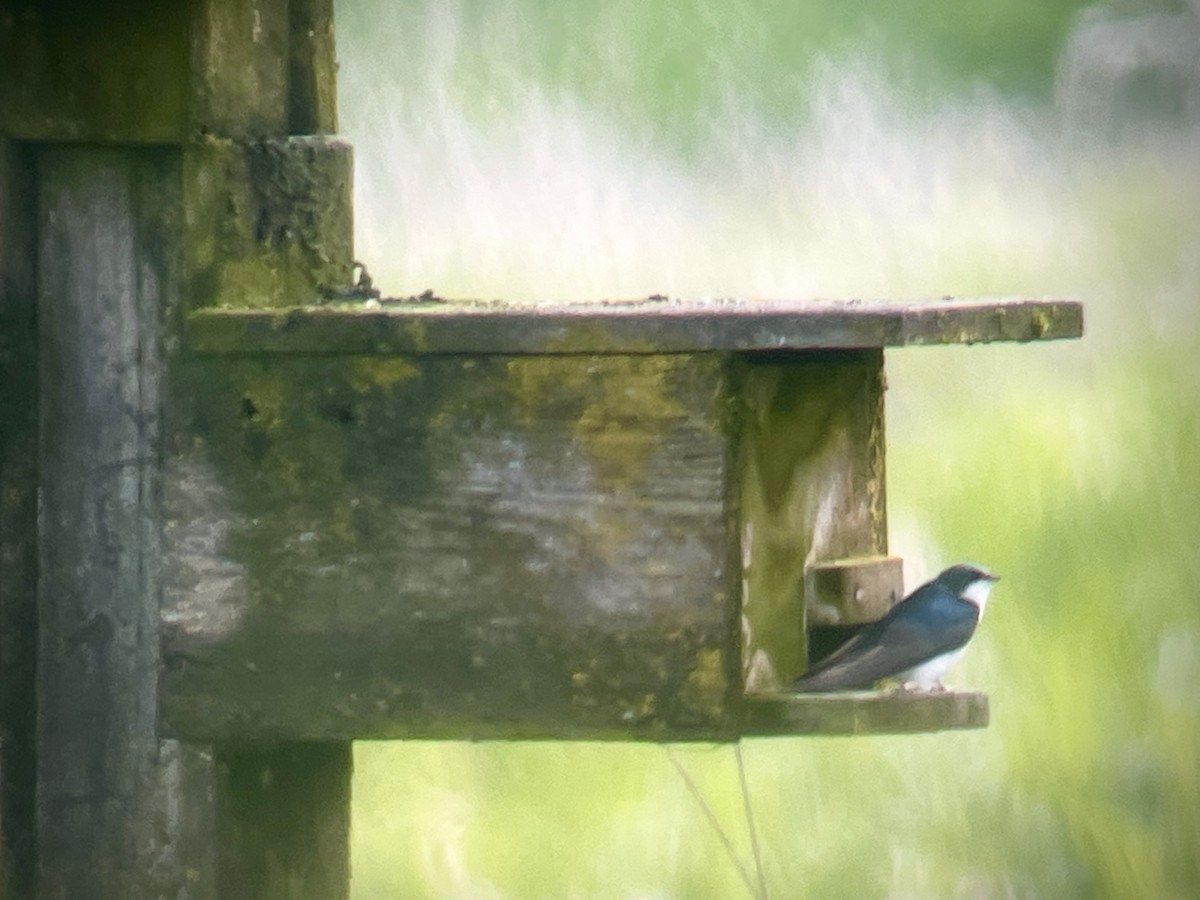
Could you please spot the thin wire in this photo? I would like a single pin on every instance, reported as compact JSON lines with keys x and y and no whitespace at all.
{"x":712,"y":820}
{"x":758,"y":866}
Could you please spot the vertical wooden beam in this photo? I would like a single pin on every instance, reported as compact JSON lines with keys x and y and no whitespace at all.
{"x":312,"y":68}
{"x":117,"y":813}
{"x":18,"y":518}
{"x":264,"y":69}
{"x":239,"y":68}
{"x":283,"y":819}
{"x":282,"y":813}
{"x":811,"y":490}
{"x":107,"y":249}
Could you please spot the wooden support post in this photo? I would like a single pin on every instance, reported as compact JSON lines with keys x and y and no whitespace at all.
{"x":106,"y":261}
{"x":86,"y":343}
{"x":18,"y":518}
{"x":283,"y":820}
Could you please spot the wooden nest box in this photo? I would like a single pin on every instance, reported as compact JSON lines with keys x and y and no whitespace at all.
{"x":438,"y":519}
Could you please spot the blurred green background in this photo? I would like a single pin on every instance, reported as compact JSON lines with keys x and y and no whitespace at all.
{"x":579,"y":149}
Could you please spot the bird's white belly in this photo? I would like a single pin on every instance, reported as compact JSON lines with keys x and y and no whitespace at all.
{"x":928,"y":675}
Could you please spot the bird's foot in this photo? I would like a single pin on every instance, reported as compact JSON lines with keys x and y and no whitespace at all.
{"x":917,"y":687}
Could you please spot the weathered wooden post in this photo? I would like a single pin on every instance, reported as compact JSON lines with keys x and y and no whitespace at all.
{"x":396,"y":519}
{"x":146,"y":162}
{"x":18,"y":517}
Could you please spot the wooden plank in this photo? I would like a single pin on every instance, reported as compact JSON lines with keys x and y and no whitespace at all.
{"x":449,"y":547}
{"x":895,"y":712}
{"x":18,"y":519}
{"x":810,"y":488}
{"x":667,"y":326}
{"x":853,"y":591}
{"x":106,"y":267}
{"x":283,"y":817}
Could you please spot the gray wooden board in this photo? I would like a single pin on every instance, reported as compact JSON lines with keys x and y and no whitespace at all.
{"x":106,"y":253}
{"x":449,"y":547}
{"x":648,"y":326}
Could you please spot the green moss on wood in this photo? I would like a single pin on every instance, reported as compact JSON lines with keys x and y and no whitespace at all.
{"x":455,"y":545}
{"x":240,"y":61}
{"x":608,"y":399}
{"x":414,"y":325}
{"x":267,"y":221}
{"x":811,"y":488}
{"x":706,"y":689}
{"x":381,"y":373}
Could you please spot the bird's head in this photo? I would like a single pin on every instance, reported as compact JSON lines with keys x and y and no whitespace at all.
{"x":970,"y":582}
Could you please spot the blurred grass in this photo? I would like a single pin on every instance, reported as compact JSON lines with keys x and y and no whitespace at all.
{"x":507,"y":149}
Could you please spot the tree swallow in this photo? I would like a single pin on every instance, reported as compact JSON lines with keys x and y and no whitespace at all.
{"x":915,"y":642}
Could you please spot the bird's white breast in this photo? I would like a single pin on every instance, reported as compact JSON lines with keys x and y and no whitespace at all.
{"x":928,"y":675}
{"x":977,"y":592}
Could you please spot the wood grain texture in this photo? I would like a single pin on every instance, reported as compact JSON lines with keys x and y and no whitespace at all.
{"x":451,"y":547}
{"x":650,"y":326}
{"x":142,"y":71}
{"x":105,"y":270}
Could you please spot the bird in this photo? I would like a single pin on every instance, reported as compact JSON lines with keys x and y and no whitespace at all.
{"x":915,"y":642}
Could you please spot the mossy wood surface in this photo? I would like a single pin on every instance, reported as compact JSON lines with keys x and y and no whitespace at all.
{"x":267,"y":219}
{"x":602,"y":546}
{"x":647,"y":326}
{"x":450,"y":547}
{"x":811,"y":488}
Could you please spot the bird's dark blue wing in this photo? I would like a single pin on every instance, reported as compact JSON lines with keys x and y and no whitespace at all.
{"x":929,"y":622}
